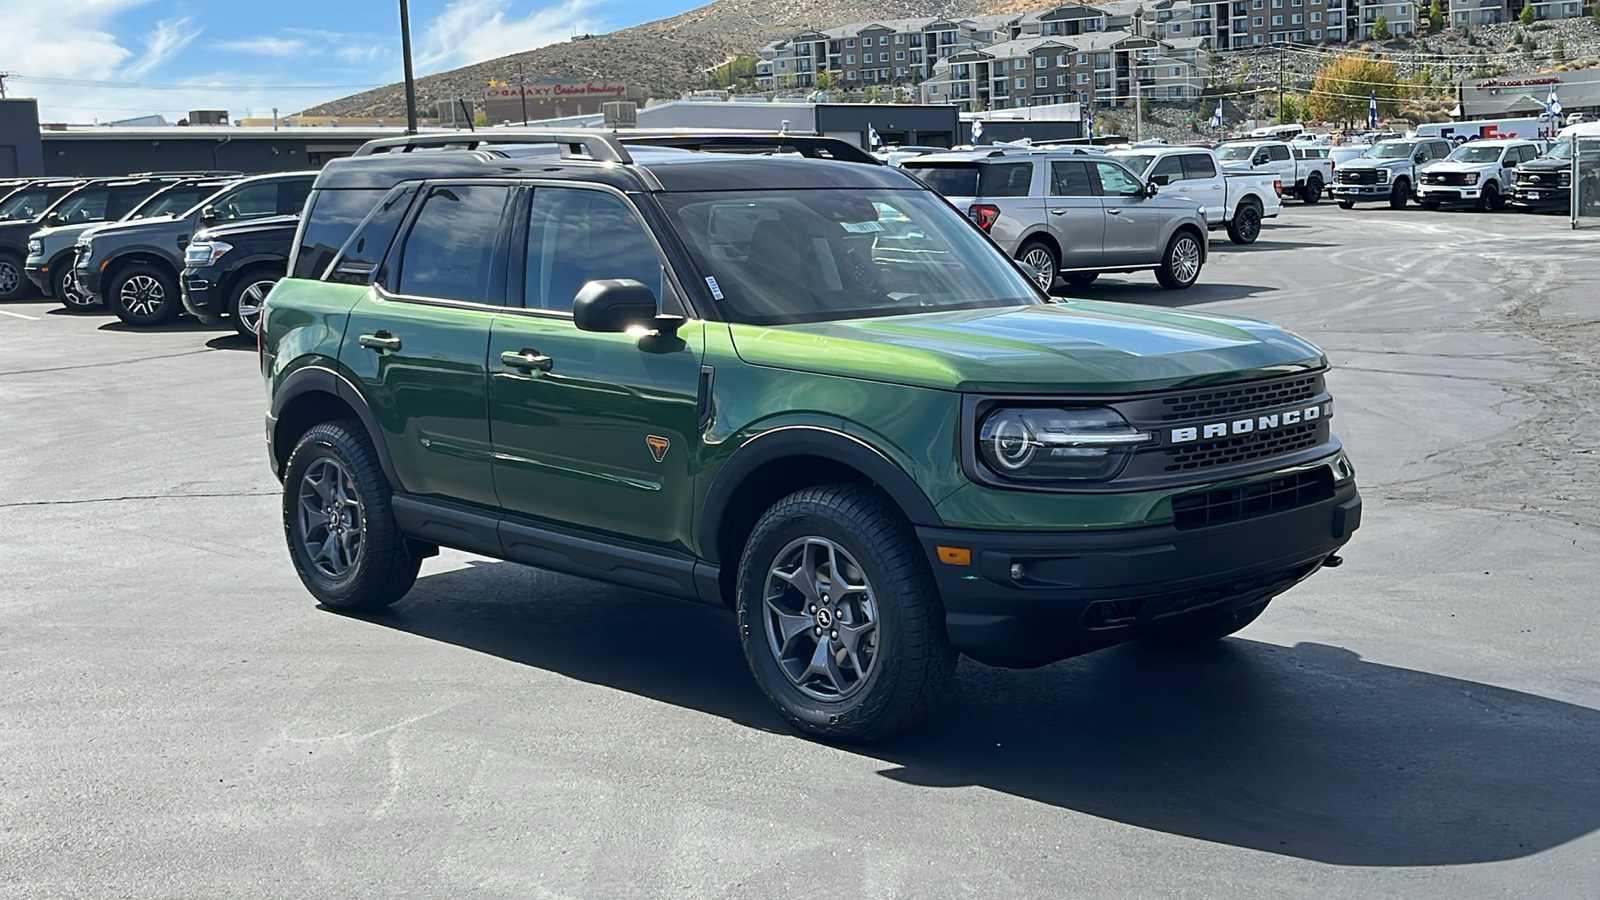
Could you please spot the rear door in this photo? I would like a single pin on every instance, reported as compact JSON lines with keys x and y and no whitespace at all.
{"x":1205,"y":185}
{"x":1132,"y":220}
{"x":1077,"y":220}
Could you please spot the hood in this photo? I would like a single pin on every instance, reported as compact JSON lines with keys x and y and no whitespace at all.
{"x":1545,"y":164}
{"x":1462,"y":166}
{"x":1077,"y":346}
{"x":1362,"y":162}
{"x":65,"y":231}
{"x":250,"y":226}
{"x":137,"y":226}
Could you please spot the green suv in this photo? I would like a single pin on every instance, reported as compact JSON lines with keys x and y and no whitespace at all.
{"x":803,"y":387}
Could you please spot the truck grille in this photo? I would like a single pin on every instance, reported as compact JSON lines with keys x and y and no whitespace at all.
{"x":1241,"y":399}
{"x":1358,"y":176}
{"x":1539,"y":179}
{"x":1456,"y":179}
{"x":1251,"y":500}
{"x":1228,"y":451}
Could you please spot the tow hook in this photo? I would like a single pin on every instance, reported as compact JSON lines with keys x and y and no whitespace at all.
{"x":1333,"y":561}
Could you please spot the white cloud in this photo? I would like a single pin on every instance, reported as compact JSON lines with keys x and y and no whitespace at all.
{"x":68,"y":40}
{"x":161,"y":45}
{"x":266,"y":46}
{"x":470,"y":31}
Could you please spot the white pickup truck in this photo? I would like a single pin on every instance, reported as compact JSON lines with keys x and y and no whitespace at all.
{"x":1237,"y":201}
{"x":1304,"y":178}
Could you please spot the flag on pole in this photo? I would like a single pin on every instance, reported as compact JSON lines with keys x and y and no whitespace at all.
{"x":1216,"y":117}
{"x":1372,"y":111}
{"x":977,"y":130}
{"x":873,"y":141}
{"x":1552,"y":104}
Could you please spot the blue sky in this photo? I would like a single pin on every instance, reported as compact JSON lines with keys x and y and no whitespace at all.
{"x":103,"y":60}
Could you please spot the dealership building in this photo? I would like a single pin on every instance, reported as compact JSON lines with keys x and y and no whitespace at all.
{"x":1513,"y":96}
{"x":554,"y":99}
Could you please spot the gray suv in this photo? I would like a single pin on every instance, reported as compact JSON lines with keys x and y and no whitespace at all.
{"x":1072,"y":213}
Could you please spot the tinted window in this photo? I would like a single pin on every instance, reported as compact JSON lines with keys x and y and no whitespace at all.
{"x":293,"y":199}
{"x":1005,"y":179}
{"x":333,"y":216}
{"x":1070,"y":179}
{"x":28,"y":203}
{"x":576,"y":236}
{"x":1278,"y":151}
{"x":1198,"y":165}
{"x":125,"y":200}
{"x":972,"y":179}
{"x":1115,"y":180}
{"x":87,"y":205}
{"x":451,"y":245}
{"x":366,"y":248}
{"x":173,"y":201}
{"x":1171,"y":167}
{"x":249,"y":202}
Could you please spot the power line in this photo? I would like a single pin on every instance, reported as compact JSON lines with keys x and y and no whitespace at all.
{"x":146,"y":86}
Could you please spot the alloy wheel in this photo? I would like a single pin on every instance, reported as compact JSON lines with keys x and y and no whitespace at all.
{"x":72,"y":294}
{"x":142,"y":295}
{"x":1249,"y":223}
{"x":330,"y":521}
{"x":10,"y":277}
{"x":252,"y":302}
{"x":821,"y":619}
{"x":1186,"y":259}
{"x":1039,"y":259}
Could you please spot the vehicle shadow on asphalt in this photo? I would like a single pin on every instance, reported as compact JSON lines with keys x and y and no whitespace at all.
{"x":1229,"y":247}
{"x":1306,"y":751}
{"x":176,"y":326}
{"x":1150,"y":293}
{"x":233,"y":341}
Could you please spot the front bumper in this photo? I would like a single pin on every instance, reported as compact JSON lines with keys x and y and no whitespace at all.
{"x":88,"y":277}
{"x":1080,"y":592}
{"x":1545,"y":199}
{"x":202,"y":295}
{"x":40,"y":276}
{"x":1449,"y":193}
{"x":1362,"y":191}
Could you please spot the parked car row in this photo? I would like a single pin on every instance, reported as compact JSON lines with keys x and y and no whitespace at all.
{"x":146,"y":247}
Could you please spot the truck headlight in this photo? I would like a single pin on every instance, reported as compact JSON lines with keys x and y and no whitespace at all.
{"x":1383,"y":176}
{"x":1343,"y":469}
{"x":1472,"y":178}
{"x":1077,"y":444}
{"x":1566,"y":178}
{"x":36,"y":248}
{"x":204,"y":253}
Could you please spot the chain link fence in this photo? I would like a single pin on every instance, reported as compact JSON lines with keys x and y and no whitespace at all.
{"x":1586,"y":182}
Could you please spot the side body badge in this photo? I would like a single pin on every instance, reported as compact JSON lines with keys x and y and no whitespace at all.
{"x":658,"y":446}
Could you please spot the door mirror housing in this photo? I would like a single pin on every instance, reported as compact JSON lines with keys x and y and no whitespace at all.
{"x":1420,"y":158}
{"x":1261,"y":159}
{"x":616,"y":305}
{"x":208,"y":215}
{"x":1151,"y":189}
{"x":1162,"y":180}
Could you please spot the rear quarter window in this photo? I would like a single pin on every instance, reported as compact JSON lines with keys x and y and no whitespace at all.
{"x":330,"y":219}
{"x":974,"y":179}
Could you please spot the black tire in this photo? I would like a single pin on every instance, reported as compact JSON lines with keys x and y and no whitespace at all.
{"x":143,"y":295}
{"x":1490,"y":200}
{"x":910,"y":661}
{"x":1080,"y":279}
{"x":1246,"y":224}
{"x":381,"y":567}
{"x":1173,"y":274}
{"x":64,"y":285}
{"x":1203,"y":629}
{"x":1400,"y":194}
{"x":1043,"y":259}
{"x":13,"y":279}
{"x":249,"y":289}
{"x":1347,"y":204}
{"x":1312,"y":194}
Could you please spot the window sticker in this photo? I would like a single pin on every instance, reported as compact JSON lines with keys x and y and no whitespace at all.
{"x":715,"y":291}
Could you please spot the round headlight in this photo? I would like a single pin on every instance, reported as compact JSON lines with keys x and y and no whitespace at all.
{"x":1050,"y":444}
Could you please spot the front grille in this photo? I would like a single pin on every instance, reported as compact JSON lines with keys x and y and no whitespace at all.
{"x":1539,"y":179}
{"x":1451,"y":178}
{"x":1251,"y":500}
{"x":1358,"y":176}
{"x":1228,"y":451}
{"x":1244,"y":398}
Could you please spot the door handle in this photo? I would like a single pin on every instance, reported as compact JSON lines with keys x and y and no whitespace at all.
{"x":1114,"y":211}
{"x":382,"y":342}
{"x":526,"y":360}
{"x":1058,"y":212}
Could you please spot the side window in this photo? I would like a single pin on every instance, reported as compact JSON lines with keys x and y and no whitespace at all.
{"x":450,"y":248}
{"x":292,"y":199}
{"x":332,"y":218}
{"x":1070,"y":179}
{"x":1169,"y":169}
{"x":249,"y":202}
{"x":1013,"y":179}
{"x":1279,"y":151}
{"x":124,"y":201}
{"x":1115,"y":180}
{"x":576,"y":236}
{"x":1198,"y":166}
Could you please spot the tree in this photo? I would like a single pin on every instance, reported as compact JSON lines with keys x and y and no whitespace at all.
{"x":1560,"y":52}
{"x":1596,"y":9}
{"x":1380,"y":29}
{"x":1290,"y":110}
{"x":1343,"y":86}
{"x":824,"y":80}
{"x":1435,"y":18}
{"x":1472,"y":39}
{"x":1527,"y":17}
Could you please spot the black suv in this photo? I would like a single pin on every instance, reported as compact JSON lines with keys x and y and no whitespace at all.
{"x":229,"y":269}
{"x":134,"y":266}
{"x":20,"y":213}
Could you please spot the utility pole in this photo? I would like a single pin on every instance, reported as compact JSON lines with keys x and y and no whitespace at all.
{"x":1281,"y":49}
{"x":411,"y":81}
{"x":522,"y":92}
{"x":3,"y":77}
{"x":1138,"y":109}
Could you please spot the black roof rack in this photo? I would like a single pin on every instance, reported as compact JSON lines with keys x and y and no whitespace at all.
{"x":597,"y":146}
{"x":811,"y":147}
{"x":612,"y":146}
{"x":189,"y":173}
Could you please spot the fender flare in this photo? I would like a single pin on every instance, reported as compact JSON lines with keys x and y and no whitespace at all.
{"x":807,"y":440}
{"x":320,"y":379}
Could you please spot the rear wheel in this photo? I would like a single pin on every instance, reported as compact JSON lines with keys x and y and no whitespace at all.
{"x":839,"y":616}
{"x":1313,"y":191}
{"x":1204,"y":629}
{"x":1042,"y":258}
{"x":1246,"y":224}
{"x":12,"y":282}
{"x":1080,"y":279}
{"x":247,"y":299}
{"x":143,"y":295}
{"x":1490,"y":200}
{"x":1180,"y":266}
{"x":1400,"y":194}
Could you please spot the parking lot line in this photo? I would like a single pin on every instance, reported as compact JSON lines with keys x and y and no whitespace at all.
{"x":18,"y":316}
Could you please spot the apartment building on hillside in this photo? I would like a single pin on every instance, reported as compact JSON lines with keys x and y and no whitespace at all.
{"x":1105,"y":68}
{"x":872,"y":53}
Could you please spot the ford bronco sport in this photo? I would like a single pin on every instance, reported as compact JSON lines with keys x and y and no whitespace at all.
{"x":805,"y":388}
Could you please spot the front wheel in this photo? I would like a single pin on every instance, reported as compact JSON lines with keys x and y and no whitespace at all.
{"x":143,"y":295}
{"x":13,"y":284}
{"x":1043,"y":260}
{"x":1313,"y":192}
{"x":839,"y":616}
{"x":1347,"y":204}
{"x":64,"y":284}
{"x":1246,"y":224}
{"x":248,"y":300}
{"x":341,"y":531}
{"x":1203,"y":629}
{"x":1400,"y":194}
{"x":1080,"y":279}
{"x":1490,"y":200}
{"x":1180,"y":266}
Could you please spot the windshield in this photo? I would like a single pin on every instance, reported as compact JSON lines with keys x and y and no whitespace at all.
{"x":170,"y":202}
{"x":1469,"y":153}
{"x":1561,"y":149}
{"x":782,"y":257}
{"x":28,"y":203}
{"x":1135,"y":161}
{"x":1390,"y":150}
{"x":1235,"y":152}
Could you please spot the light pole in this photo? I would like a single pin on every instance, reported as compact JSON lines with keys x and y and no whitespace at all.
{"x":411,"y":82}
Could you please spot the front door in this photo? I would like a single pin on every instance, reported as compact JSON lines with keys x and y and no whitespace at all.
{"x":418,"y":343}
{"x":593,"y":431}
{"x":1133,"y":221}
{"x":1075,"y":217}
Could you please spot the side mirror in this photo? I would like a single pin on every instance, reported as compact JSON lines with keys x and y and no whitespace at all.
{"x":1162,"y":180}
{"x":1420,"y":158}
{"x":209,"y":214}
{"x":616,"y":305}
{"x":1151,"y":189}
{"x":1260,"y":160}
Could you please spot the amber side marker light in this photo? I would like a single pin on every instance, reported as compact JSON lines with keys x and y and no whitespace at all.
{"x":955,"y":556}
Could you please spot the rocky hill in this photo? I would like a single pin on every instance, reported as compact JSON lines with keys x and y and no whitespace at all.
{"x":667,"y":56}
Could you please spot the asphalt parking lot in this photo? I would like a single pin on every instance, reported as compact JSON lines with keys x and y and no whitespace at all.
{"x":179,"y":719}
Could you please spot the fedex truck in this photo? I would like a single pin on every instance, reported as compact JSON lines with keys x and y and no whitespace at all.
{"x":1531,"y":128}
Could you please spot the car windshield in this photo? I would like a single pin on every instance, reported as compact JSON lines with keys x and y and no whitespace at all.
{"x":171,"y":202}
{"x":1390,"y":150}
{"x":1235,"y":152}
{"x":28,"y":203}
{"x":1469,"y":153}
{"x":788,"y":256}
{"x":1135,"y":161}
{"x":1561,"y":149}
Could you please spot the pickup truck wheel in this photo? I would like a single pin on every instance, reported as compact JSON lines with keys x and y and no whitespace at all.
{"x":1080,"y":279}
{"x":341,"y":532}
{"x":64,"y":284}
{"x":1039,"y":255}
{"x":1203,"y":629}
{"x":1347,"y":204}
{"x":1180,"y":267}
{"x":839,"y":616}
{"x":249,"y":293}
{"x":1312,"y":193}
{"x":142,"y":295}
{"x":12,"y":282}
{"x":1489,"y":200}
{"x":1246,"y":224}
{"x":1399,"y":194}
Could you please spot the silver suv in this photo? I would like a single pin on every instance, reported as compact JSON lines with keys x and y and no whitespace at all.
{"x":1071,"y":212}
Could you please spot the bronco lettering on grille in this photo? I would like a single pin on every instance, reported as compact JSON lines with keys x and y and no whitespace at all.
{"x":1250,"y":424}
